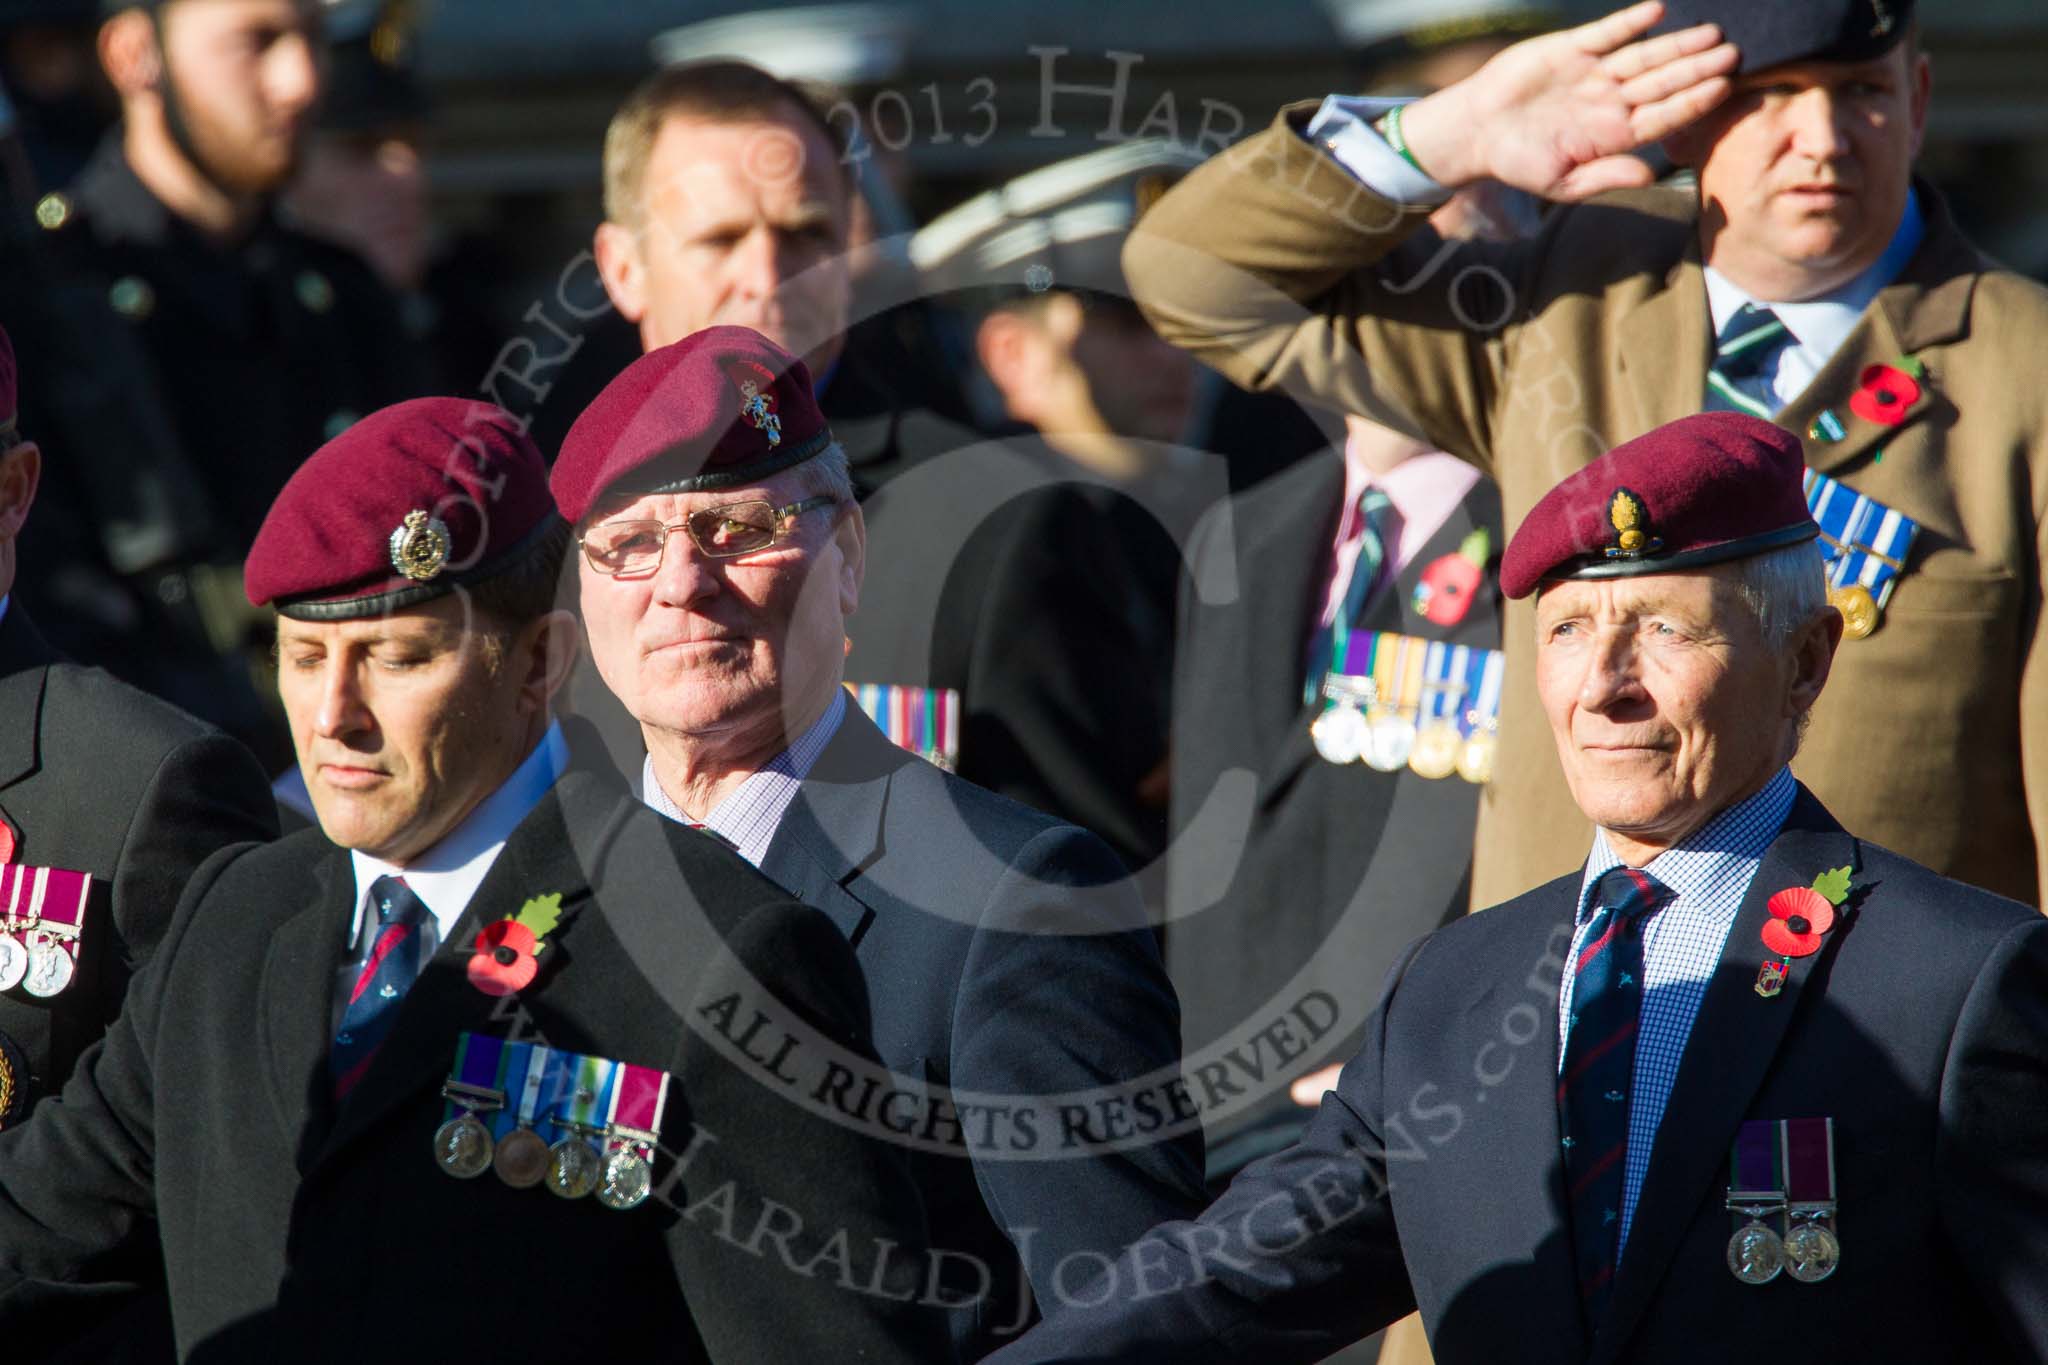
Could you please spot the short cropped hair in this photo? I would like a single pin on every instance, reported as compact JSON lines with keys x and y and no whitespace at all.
{"x":525,"y":592}
{"x":719,"y":91}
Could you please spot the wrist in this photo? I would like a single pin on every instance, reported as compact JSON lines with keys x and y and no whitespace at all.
{"x":1430,"y":142}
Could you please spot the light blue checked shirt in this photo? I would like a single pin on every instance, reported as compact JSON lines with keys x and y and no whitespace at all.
{"x":1708,"y":874}
{"x":749,"y":817}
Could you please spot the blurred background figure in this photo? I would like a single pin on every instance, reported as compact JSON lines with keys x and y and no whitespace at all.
{"x":193,"y":349}
{"x":60,"y":100}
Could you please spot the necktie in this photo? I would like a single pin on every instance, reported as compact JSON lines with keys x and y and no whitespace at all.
{"x":387,"y":973}
{"x":1599,"y":1071}
{"x":1375,"y":512}
{"x":1745,"y":362}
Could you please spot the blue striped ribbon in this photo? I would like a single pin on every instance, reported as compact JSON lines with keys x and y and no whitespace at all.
{"x":1863,"y":541}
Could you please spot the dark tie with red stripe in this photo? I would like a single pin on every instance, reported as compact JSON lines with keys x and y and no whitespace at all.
{"x":380,"y":988}
{"x":1599,"y":1072}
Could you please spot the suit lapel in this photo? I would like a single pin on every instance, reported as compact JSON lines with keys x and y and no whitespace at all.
{"x":1734,"y":1040}
{"x":833,"y":830}
{"x":24,"y":668}
{"x":539,"y":858}
{"x":305,"y":953}
{"x":1673,"y":325}
{"x":1928,"y":305}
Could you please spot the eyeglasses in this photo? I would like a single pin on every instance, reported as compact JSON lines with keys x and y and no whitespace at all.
{"x":736,"y":528}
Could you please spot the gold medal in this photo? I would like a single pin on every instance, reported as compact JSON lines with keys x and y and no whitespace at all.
{"x":627,"y":1181}
{"x":1475,"y":760}
{"x":521,"y":1159}
{"x":1812,"y":1251}
{"x":1755,"y":1255}
{"x":462,"y":1147}
{"x":50,"y":967}
{"x":1858,"y":608}
{"x":573,"y":1167}
{"x":1436,"y":750}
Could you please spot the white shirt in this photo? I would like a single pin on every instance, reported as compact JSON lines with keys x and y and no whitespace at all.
{"x":748,"y":819}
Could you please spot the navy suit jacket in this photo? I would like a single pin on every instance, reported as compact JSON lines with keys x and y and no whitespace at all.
{"x":1005,"y":955}
{"x":1430,"y":1177}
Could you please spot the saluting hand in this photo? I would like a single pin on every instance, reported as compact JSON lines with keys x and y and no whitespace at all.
{"x":1558,"y":114}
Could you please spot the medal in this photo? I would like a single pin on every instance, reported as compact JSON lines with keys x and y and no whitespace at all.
{"x":632,"y":1128}
{"x":1436,"y":750}
{"x":50,"y":967}
{"x":1482,"y":722}
{"x":13,"y":1081}
{"x":45,"y":909}
{"x":1858,"y":608}
{"x":1389,"y":740}
{"x":1339,"y":734}
{"x":575,"y":1163}
{"x":1812,"y":1251}
{"x":1475,"y":760}
{"x":573,"y":1168}
{"x":1756,"y":1191}
{"x":1865,"y":545}
{"x":521,"y":1159}
{"x":462,"y":1144}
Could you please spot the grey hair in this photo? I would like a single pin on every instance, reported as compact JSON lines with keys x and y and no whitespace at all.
{"x":1784,"y":590}
{"x":829,"y":471}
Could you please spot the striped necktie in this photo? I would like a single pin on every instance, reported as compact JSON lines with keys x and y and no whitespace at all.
{"x":1599,"y":1071}
{"x":388,"y":971}
{"x":1375,"y":512}
{"x":1746,"y":362}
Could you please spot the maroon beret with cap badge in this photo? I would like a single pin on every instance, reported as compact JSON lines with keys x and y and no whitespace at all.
{"x":722,"y":408}
{"x":1698,"y":491}
{"x":410,"y":503}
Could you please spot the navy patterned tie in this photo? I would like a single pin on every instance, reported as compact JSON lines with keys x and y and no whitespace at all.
{"x":380,"y":988}
{"x":1375,"y":512}
{"x":1746,"y":361}
{"x":1599,"y":1071}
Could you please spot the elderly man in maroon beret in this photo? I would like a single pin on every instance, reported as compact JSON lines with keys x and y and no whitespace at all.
{"x":1018,"y":992}
{"x":484,"y":961}
{"x":1742,"y":1077}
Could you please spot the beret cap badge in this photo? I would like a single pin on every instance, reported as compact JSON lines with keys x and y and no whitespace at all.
{"x":758,"y":406}
{"x":1631,"y":521}
{"x":419,"y":547}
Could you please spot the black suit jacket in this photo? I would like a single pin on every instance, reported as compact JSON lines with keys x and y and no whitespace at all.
{"x":997,"y":568}
{"x":1430,"y":1177}
{"x":98,"y":777}
{"x":1006,"y":959}
{"x":1290,"y":874}
{"x":295,"y":1230}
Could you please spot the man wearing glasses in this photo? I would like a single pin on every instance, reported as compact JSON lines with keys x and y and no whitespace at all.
{"x":1017,"y":993}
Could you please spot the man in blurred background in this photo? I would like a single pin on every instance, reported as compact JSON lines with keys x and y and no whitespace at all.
{"x":188,"y":347}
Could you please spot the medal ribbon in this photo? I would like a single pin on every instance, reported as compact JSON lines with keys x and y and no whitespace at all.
{"x":1810,"y":1161}
{"x":1485,"y":712}
{"x":638,"y":1100}
{"x":513,"y":1066}
{"x":477,"y":1059}
{"x":591,"y":1096}
{"x":52,"y":895}
{"x":1436,"y":675}
{"x":1756,"y":1173}
{"x":1864,"y":542}
{"x":924,"y":720}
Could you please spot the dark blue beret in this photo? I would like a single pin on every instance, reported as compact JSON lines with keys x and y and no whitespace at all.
{"x":1773,"y":32}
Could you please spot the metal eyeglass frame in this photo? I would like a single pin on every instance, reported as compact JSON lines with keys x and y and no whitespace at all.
{"x":783,"y":517}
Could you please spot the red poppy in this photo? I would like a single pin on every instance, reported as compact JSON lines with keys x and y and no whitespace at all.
{"x":503,"y":960}
{"x":1447,"y":588}
{"x":1884,"y":395}
{"x":1800,"y":915}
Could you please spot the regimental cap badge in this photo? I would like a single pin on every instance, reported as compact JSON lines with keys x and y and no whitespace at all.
{"x":757,"y":402}
{"x":419,"y":547}
{"x":1881,"y":19}
{"x":1631,"y":522}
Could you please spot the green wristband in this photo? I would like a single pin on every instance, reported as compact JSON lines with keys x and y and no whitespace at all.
{"x":1390,"y":125}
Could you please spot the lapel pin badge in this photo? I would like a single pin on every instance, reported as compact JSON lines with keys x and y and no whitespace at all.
{"x":504,"y":960}
{"x":1801,"y":917}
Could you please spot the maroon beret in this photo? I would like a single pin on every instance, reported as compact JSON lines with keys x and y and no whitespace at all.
{"x":1703,"y":489}
{"x":410,"y":503}
{"x":8,"y":392}
{"x":721,"y":408}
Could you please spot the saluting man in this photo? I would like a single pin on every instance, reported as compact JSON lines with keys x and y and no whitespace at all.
{"x":1742,"y":1077}
{"x":1805,"y":275}
{"x":479,"y":963}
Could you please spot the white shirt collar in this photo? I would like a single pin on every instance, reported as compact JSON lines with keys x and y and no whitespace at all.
{"x":748,"y":818}
{"x":448,"y":874}
{"x":1821,"y":325}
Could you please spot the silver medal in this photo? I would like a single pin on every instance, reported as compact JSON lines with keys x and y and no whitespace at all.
{"x":50,"y":968}
{"x":1812,"y":1251}
{"x":1340,"y":734}
{"x":13,"y":962}
{"x":1755,"y":1254}
{"x":627,"y":1181}
{"x":573,"y":1168}
{"x":1389,"y":740}
{"x":462,"y":1147}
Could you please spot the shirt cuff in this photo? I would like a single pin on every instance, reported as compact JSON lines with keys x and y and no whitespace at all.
{"x":1343,"y":128}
